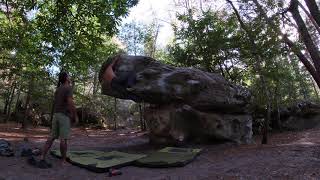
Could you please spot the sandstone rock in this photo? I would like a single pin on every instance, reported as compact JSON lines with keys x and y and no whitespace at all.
{"x":190,"y":104}
{"x":176,"y":123}
{"x":300,"y":116}
{"x":153,"y":82}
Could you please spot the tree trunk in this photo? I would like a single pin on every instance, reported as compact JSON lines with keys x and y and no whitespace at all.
{"x":312,"y":70}
{"x":277,"y":106}
{"x":310,"y":17}
{"x":315,"y":75}
{"x":16,"y":107}
{"x":27,"y":107}
{"x":11,"y":90}
{"x":115,"y":114}
{"x":141,"y":117}
{"x":315,"y":88}
{"x":10,"y":102}
{"x":95,"y":83}
{"x":258,"y":69}
{"x":6,"y":102}
{"x":82,"y":107}
{"x":144,"y":120}
{"x":306,"y":37}
{"x":154,"y":44}
{"x":314,"y":10}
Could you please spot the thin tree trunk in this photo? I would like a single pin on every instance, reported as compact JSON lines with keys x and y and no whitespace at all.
{"x":258,"y":69}
{"x":10,"y":102}
{"x":155,"y":42}
{"x":315,"y":88}
{"x":294,"y":48}
{"x":141,"y":118}
{"x":6,"y":103}
{"x":27,"y":107}
{"x":314,"y":10}
{"x":82,"y":107}
{"x":267,"y":121}
{"x":144,"y":120}
{"x":8,"y":99}
{"x":82,"y":114}
{"x":310,"y":17}
{"x":278,"y":118}
{"x":315,"y":75}
{"x":306,"y":37}
{"x":115,"y":114}
{"x":95,"y":81}
{"x":221,"y":70}
{"x":17,"y":101}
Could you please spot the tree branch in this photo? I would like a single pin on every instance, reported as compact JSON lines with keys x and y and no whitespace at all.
{"x":306,"y":37}
{"x":314,"y":10}
{"x":310,"y":17}
{"x":293,"y":47}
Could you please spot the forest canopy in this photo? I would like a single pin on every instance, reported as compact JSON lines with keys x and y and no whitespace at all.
{"x":270,"y":47}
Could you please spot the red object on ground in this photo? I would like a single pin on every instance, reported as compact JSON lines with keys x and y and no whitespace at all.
{"x":114,"y":172}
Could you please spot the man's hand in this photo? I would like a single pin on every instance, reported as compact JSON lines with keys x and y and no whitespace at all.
{"x":109,"y":73}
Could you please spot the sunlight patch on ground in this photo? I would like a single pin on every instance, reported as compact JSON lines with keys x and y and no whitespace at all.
{"x":11,"y":139}
{"x":39,"y":140}
{"x":38,"y":136}
{"x":303,"y":141}
{"x":4,"y":134}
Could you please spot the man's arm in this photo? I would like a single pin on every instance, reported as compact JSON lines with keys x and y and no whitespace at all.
{"x":73,"y":110}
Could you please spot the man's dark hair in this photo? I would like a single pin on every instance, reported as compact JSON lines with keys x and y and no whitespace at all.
{"x":62,"y":78}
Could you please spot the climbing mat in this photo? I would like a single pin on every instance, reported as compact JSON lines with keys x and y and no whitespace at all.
{"x":99,"y":161}
{"x":169,"y":157}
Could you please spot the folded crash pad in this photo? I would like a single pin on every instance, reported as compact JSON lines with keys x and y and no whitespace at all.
{"x":169,"y":157}
{"x":99,"y":161}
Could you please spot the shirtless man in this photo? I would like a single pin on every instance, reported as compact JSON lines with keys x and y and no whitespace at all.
{"x":64,"y":111}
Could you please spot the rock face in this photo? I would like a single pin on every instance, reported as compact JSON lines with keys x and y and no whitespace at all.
{"x":301,"y":116}
{"x":176,"y":123}
{"x":186,"y":103}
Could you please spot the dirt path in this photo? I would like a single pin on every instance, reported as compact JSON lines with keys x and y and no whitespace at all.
{"x":290,"y":155}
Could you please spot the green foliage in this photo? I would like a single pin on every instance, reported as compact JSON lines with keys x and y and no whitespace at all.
{"x":40,"y":38}
{"x":140,"y":39}
{"x":210,"y":41}
{"x":132,"y":35}
{"x":215,"y":41}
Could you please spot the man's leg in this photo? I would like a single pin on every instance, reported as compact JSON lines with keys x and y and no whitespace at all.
{"x":54,"y":134}
{"x":63,"y":149}
{"x":64,"y":131}
{"x":46,"y":147}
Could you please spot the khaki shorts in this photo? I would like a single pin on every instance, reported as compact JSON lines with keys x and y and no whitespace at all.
{"x":60,"y":126}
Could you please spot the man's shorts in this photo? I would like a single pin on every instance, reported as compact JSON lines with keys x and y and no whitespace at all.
{"x":60,"y":126}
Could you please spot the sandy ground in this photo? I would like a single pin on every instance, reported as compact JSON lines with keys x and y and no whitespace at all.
{"x":289,"y":155}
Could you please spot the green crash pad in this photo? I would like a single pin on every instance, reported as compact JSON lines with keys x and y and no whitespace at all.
{"x":169,"y":157}
{"x":99,"y":161}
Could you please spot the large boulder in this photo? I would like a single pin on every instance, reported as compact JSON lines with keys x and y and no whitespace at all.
{"x":178,"y":123}
{"x":300,"y":116}
{"x":189,"y":102}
